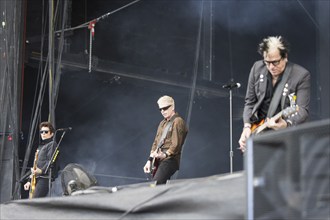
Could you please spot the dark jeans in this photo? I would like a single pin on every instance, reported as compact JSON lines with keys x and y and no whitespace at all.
{"x":165,"y":170}
{"x":42,"y":188}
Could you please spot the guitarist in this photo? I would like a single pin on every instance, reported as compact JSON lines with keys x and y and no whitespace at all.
{"x":167,"y":146}
{"x":271,"y":81}
{"x":45,"y":151}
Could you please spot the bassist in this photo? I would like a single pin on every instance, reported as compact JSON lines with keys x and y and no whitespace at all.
{"x":165,"y":154}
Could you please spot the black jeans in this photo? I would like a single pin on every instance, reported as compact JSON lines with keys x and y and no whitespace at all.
{"x":165,"y":170}
{"x":42,"y":188}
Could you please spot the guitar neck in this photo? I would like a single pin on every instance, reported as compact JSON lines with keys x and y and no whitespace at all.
{"x":33,"y":178}
{"x":264,"y":125}
{"x":278,"y":115}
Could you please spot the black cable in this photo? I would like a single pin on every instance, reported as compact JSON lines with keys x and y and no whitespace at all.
{"x":97,"y":19}
{"x":142,"y":203}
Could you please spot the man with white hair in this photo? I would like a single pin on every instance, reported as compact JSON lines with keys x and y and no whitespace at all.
{"x":274,"y":84}
{"x":165,"y":154}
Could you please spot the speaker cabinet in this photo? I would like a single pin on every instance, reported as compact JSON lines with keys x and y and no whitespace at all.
{"x":288,"y":173}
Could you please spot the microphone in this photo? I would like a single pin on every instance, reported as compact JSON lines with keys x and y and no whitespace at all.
{"x":65,"y":129}
{"x":231,"y":85}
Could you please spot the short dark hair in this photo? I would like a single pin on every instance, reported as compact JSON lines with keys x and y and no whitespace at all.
{"x":48,"y":125}
{"x":272,"y":42}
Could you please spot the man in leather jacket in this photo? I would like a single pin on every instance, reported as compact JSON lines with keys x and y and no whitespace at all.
{"x":44,"y":154}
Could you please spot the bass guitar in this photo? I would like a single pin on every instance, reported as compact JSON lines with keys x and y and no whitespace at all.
{"x":155,"y":163}
{"x":285,"y":113}
{"x":154,"y":166}
{"x":33,"y":176}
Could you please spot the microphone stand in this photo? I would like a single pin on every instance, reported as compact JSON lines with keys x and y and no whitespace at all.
{"x":231,"y":152}
{"x":52,"y":160}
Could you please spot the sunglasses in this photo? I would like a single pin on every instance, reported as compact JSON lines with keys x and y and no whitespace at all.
{"x":165,"y":108}
{"x":44,"y":131}
{"x":275,"y":62}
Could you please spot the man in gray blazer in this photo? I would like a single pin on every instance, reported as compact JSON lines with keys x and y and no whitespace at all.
{"x":275,"y":86}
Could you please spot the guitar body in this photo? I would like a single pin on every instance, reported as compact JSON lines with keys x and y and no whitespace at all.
{"x":33,"y":178}
{"x":257,"y":125}
{"x":33,"y":186}
{"x":154,"y":166}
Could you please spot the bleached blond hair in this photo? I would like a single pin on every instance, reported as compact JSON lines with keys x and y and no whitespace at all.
{"x":166,"y":101}
{"x":272,"y":43}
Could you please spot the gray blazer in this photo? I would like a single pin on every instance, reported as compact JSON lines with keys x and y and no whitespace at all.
{"x":298,"y":82}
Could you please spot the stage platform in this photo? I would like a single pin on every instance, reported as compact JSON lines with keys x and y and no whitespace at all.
{"x":214,"y":197}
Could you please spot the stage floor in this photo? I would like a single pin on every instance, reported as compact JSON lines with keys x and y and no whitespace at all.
{"x":214,"y":197}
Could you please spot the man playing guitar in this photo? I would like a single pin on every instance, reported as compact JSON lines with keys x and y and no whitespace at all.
{"x":165,"y":154}
{"x":44,"y":153}
{"x":271,"y":82}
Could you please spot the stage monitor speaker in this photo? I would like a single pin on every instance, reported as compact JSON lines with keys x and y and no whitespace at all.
{"x":74,"y":177}
{"x":288,"y":173}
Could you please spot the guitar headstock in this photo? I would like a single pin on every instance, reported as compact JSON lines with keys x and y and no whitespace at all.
{"x":290,"y":111}
{"x":293,"y":109}
{"x":292,"y":98}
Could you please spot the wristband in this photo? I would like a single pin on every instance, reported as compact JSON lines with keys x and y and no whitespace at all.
{"x":247,"y":126}
{"x":150,"y":159}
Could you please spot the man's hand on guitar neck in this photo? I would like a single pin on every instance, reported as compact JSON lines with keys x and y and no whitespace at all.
{"x":160,"y":155}
{"x":270,"y":122}
{"x":276,"y":125}
{"x":36,"y":171}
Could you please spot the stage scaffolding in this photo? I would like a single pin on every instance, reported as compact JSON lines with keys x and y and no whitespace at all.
{"x":11,"y":60}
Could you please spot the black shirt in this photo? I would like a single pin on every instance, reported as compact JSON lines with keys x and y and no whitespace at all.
{"x":262,"y":113}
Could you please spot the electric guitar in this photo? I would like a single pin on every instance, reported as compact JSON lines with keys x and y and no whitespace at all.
{"x":285,"y":113}
{"x":154,"y":164}
{"x":33,"y":176}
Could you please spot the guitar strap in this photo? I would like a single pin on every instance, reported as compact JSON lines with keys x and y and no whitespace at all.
{"x":166,"y":129}
{"x":278,"y":92}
